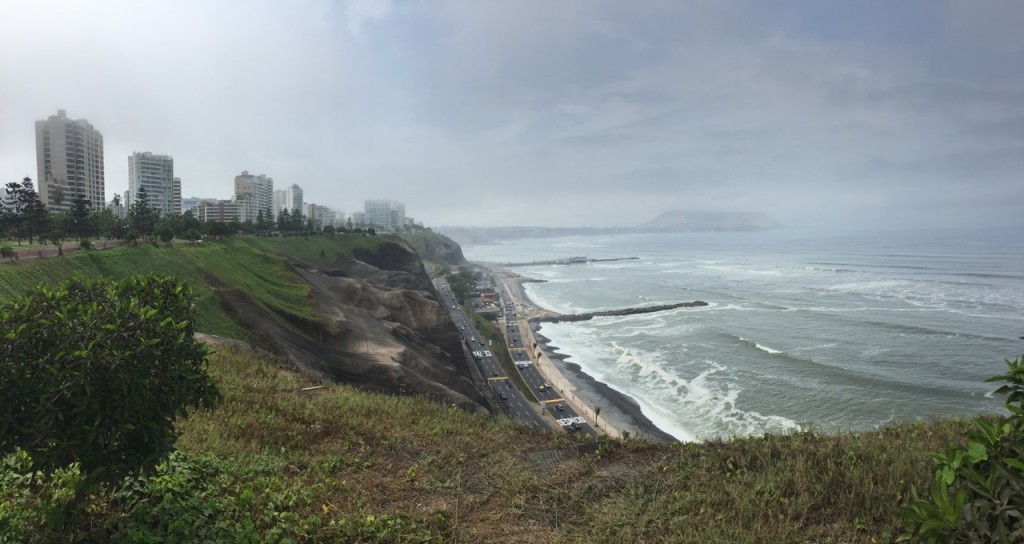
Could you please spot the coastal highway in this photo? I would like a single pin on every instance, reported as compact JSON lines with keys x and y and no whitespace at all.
{"x":512,"y":400}
{"x":549,"y":397}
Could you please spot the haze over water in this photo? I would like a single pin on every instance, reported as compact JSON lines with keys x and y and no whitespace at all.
{"x":831,"y":332}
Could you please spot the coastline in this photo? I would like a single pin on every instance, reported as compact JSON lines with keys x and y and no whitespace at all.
{"x":619,"y":410}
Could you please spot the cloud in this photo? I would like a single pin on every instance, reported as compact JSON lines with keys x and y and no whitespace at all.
{"x":361,"y":12}
{"x":572,"y":112}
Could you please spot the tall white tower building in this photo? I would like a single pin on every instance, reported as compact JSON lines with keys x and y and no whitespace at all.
{"x":156,"y":174}
{"x":253,"y":194}
{"x":69,"y":159}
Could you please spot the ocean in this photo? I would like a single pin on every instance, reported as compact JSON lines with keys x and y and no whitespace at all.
{"x":804,"y":330}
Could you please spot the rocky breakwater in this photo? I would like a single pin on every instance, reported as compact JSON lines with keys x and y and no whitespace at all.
{"x":624,"y":311}
{"x":379,"y":327}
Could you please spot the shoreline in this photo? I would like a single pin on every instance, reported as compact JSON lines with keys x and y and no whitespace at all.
{"x":619,"y":409}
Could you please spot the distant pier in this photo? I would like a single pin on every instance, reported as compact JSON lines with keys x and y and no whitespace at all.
{"x":571,"y":260}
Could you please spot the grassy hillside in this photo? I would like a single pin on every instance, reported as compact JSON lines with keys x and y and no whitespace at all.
{"x":274,"y":462}
{"x":244,"y":262}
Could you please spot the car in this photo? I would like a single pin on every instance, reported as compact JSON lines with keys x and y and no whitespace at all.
{"x":560,"y":408}
{"x":503,"y":396}
{"x":548,"y":385}
{"x":540,"y":388}
{"x":463,"y":327}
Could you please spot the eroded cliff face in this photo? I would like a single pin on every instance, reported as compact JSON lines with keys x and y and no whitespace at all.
{"x":380,"y":326}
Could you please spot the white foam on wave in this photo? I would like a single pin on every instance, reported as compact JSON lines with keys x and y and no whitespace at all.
{"x":767,"y":349}
{"x":714,"y":306}
{"x":664,"y":396}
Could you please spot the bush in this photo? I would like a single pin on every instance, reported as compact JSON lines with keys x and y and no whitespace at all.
{"x":84,"y":243}
{"x":6,"y":252}
{"x":978,"y":491}
{"x":96,"y":371}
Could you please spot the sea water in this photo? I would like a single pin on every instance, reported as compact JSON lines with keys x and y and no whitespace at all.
{"x":831,"y":332}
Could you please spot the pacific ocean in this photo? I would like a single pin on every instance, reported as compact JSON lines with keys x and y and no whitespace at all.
{"x":805,"y":330}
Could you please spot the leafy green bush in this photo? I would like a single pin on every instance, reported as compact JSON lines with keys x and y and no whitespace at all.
{"x":978,"y":491}
{"x":96,"y":371}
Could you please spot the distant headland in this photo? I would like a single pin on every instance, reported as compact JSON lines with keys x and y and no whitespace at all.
{"x":671,"y":221}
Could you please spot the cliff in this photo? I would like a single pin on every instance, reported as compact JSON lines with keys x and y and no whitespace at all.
{"x":437,"y":248}
{"x":357,"y":309}
{"x":379,"y":326}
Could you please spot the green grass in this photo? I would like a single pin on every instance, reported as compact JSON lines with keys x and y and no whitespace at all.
{"x":273,"y":462}
{"x":246,"y":263}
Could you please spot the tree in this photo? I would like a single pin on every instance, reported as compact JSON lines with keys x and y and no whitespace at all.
{"x":31,"y":210}
{"x":284,"y":221}
{"x":96,"y":371}
{"x":463,"y":283}
{"x":193,"y":235}
{"x":105,"y":223}
{"x":81,"y":222}
{"x":141,"y":216}
{"x":165,"y":233}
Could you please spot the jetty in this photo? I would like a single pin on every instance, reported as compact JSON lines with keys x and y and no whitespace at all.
{"x":624,"y":311}
{"x":571,"y":260}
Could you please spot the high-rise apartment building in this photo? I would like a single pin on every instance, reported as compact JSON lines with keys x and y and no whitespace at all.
{"x":293,"y":199}
{"x":289,"y":198}
{"x":69,"y":157}
{"x":223,"y":211}
{"x":156,"y":174}
{"x":384,"y":215}
{"x":252,"y":195}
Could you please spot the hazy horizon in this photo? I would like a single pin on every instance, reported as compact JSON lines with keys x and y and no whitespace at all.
{"x":574,"y":113}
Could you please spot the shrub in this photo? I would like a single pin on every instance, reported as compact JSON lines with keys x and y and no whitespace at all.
{"x":96,"y":371}
{"x":978,"y":491}
{"x":84,"y":243}
{"x":6,"y":252}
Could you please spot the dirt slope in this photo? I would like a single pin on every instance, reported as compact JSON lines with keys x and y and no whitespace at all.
{"x":380,"y":327}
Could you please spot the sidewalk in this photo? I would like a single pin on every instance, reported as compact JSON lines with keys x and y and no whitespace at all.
{"x":50,"y":250}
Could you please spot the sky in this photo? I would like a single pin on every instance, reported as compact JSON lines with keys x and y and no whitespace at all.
{"x":546,"y":112}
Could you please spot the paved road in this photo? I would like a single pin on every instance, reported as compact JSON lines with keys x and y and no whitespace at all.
{"x":512,"y":400}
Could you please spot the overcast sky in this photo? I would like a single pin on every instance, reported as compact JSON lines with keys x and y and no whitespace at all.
{"x":547,"y":112}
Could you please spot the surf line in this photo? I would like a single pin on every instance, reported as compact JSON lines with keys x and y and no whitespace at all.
{"x":623,"y":311}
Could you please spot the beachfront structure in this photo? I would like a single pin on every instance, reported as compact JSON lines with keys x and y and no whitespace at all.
{"x":69,"y":159}
{"x":384,"y":215}
{"x":253,"y":194}
{"x":156,"y":174}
